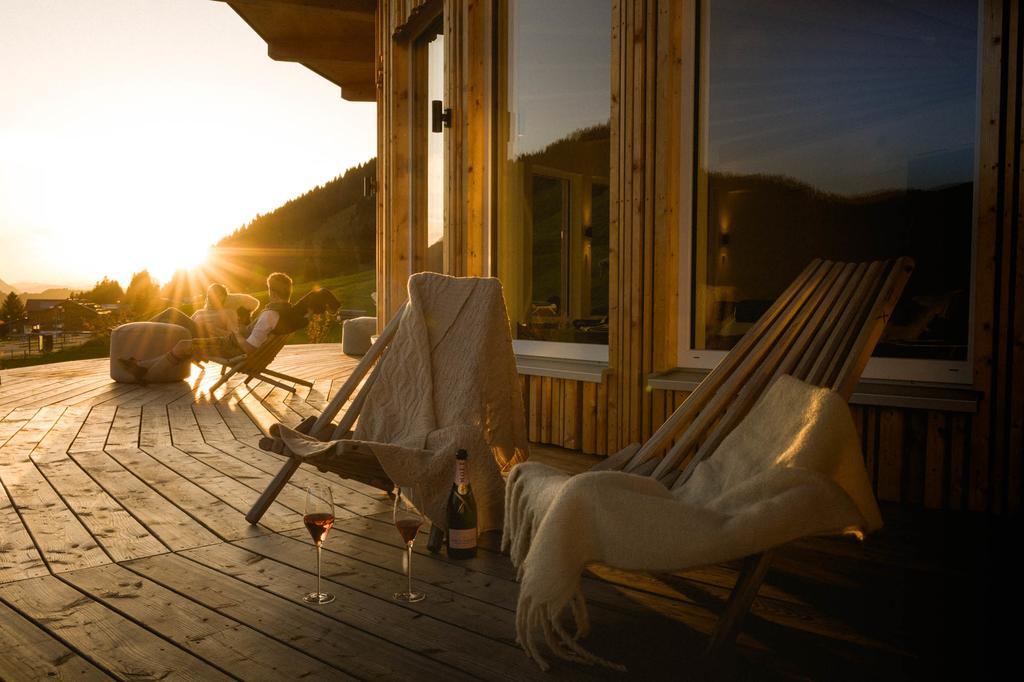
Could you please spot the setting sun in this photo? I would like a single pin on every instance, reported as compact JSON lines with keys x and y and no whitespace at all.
{"x":143,"y":149}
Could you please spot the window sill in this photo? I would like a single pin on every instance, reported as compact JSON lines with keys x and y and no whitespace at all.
{"x":561,"y":368}
{"x":874,"y":392}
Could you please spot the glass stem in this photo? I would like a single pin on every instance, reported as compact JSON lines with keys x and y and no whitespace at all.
{"x":410,"y":568}
{"x":318,"y":571}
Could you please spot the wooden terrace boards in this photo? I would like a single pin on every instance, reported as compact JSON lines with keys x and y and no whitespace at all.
{"x":124,"y":554}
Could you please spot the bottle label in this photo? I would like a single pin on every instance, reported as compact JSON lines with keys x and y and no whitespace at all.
{"x":461,"y":476}
{"x":462,"y":538}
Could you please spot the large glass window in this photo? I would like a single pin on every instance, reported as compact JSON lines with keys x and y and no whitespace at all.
{"x":845,"y":130}
{"x":428,"y":60}
{"x":553,"y":165}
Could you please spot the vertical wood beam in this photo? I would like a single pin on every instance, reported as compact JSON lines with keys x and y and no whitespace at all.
{"x":985,"y":260}
{"x":1015,"y":334}
{"x":647,"y":97}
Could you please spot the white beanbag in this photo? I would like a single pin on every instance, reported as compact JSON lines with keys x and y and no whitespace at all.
{"x":355,"y":335}
{"x":143,"y":341}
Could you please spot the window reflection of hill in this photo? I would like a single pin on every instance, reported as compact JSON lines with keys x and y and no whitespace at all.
{"x":555,"y":231}
{"x":764,"y":229}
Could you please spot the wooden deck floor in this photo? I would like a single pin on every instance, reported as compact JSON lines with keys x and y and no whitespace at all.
{"x":124,"y":554}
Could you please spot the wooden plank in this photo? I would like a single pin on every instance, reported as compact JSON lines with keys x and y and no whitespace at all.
{"x":237,"y":419}
{"x":233,"y":493}
{"x":13,"y":422}
{"x":31,"y":653}
{"x":959,"y":445}
{"x":588,"y":418}
{"x":935,"y":461}
{"x":602,"y":436}
{"x":258,"y":413}
{"x":184,"y":428}
{"x":206,"y":634}
{"x":986,"y":252}
{"x":211,"y":423}
{"x":155,"y":428}
{"x":870,"y":445}
{"x":209,"y":510}
{"x":571,"y":433}
{"x":914,"y":440}
{"x":1013,"y":365}
{"x":116,"y":530}
{"x":172,"y":526}
{"x":272,"y":605}
{"x":536,"y":407}
{"x":93,"y":433}
{"x":19,"y":558}
{"x":116,"y":644}
{"x":657,"y":409}
{"x":545,"y":410}
{"x":63,"y":541}
{"x":556,"y":411}
{"x":890,"y":455}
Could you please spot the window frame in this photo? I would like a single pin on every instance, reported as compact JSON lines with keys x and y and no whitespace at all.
{"x":498,"y":131}
{"x":692,"y":132}
{"x":419,"y":70}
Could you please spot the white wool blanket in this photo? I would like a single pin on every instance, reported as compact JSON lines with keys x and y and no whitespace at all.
{"x":791,"y":468}
{"x":447,"y":381}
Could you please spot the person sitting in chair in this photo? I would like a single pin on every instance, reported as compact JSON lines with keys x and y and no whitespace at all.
{"x":278,"y":317}
{"x":223,"y":313}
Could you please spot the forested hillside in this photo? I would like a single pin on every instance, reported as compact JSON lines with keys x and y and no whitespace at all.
{"x":327,"y":232}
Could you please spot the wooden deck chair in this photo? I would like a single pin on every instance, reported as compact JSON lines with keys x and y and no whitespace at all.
{"x":254,"y":366}
{"x":822,"y":330}
{"x":359,"y":464}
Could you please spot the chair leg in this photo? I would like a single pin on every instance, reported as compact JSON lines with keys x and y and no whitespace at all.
{"x":223,"y":378}
{"x":272,"y":382}
{"x":729,"y":623}
{"x":273,"y":490}
{"x":286,"y":377}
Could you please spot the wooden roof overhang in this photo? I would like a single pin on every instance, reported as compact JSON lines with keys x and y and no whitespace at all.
{"x":332,"y":38}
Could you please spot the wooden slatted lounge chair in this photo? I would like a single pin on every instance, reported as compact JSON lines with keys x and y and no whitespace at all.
{"x":822,"y":330}
{"x":255,"y":366}
{"x":362,"y":466}
{"x":451,"y":386}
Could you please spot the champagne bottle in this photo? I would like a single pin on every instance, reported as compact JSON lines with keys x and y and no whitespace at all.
{"x":461,"y":537}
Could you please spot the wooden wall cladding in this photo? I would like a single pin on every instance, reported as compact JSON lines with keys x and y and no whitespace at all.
{"x":574,"y":414}
{"x":916,"y":457}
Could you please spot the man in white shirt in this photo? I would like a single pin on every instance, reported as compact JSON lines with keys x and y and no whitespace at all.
{"x":279,"y":287}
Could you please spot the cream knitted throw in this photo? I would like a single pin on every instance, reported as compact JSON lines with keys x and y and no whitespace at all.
{"x":447,"y":381}
{"x":792,"y":468}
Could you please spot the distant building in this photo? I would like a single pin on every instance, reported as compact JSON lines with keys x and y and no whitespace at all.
{"x":67,"y":315}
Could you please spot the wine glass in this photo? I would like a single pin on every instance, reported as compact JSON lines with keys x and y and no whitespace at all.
{"x":408,"y":520}
{"x":319,"y":519}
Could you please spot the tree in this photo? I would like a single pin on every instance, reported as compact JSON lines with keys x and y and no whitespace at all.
{"x":143,"y":293}
{"x":106,"y":291}
{"x":12,"y":311}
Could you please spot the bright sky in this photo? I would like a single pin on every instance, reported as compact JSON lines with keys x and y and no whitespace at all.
{"x":135,"y":133}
